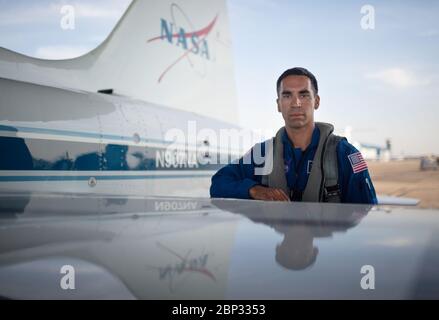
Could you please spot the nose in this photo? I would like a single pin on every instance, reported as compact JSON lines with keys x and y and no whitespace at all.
{"x":295,"y":101}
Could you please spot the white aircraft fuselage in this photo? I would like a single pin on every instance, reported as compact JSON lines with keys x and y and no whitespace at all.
{"x":59,"y":140}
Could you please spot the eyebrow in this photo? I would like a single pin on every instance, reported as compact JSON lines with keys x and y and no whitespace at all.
{"x":300,"y":92}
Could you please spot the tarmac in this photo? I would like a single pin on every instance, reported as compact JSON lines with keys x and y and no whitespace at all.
{"x":405,"y":179}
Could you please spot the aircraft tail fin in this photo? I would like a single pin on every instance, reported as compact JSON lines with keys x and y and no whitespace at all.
{"x":169,"y":52}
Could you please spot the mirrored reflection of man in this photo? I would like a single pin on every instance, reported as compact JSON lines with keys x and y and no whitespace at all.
{"x":297,"y":250}
{"x":300,"y":227}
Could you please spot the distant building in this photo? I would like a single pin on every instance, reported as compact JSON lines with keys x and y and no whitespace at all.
{"x":373,"y":152}
{"x":369,"y":151}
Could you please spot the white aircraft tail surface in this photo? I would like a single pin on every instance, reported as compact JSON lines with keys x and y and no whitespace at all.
{"x":174,"y":53}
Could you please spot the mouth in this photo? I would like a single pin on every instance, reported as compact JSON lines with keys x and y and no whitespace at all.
{"x":296,"y":115}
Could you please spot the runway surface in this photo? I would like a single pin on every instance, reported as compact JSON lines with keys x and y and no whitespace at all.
{"x":405,"y":179}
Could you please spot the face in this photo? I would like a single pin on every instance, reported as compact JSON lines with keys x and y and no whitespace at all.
{"x":297,"y":102}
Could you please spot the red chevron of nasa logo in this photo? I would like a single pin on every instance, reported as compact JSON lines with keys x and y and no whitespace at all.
{"x":194,"y":42}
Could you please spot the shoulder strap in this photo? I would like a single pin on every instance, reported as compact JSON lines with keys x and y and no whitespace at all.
{"x":314,"y":187}
{"x":331,"y":190}
{"x":276,"y":178}
{"x":268,"y":157}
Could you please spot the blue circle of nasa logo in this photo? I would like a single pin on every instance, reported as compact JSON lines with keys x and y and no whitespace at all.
{"x":179,"y":31}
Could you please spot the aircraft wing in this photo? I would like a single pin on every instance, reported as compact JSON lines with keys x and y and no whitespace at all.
{"x":397,"y":201}
{"x":193,"y":248}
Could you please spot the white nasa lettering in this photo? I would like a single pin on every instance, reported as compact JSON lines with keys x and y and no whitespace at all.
{"x":175,"y":159}
{"x":159,"y":159}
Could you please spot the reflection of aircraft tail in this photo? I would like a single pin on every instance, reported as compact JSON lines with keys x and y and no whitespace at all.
{"x":161,"y":52}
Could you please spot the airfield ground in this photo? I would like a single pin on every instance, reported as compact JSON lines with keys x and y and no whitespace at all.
{"x":405,"y":179}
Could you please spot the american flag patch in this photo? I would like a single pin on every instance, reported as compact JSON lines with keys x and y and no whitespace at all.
{"x":357,"y":162}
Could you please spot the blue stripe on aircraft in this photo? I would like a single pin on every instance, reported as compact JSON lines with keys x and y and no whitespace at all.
{"x":22,"y":154}
{"x":74,"y":134}
{"x":81,"y":178}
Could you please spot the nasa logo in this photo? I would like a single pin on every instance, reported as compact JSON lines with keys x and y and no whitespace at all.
{"x":194,"y":42}
{"x":198,"y":45}
{"x":184,"y":265}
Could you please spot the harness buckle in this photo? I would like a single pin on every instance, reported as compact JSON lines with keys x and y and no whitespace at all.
{"x":332,"y":192}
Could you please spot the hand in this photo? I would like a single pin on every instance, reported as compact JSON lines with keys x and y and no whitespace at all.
{"x":270,"y":194}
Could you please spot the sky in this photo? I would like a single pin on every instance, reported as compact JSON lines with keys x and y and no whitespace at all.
{"x":380,"y":81}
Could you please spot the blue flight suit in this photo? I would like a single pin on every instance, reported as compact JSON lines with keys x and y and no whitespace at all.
{"x":236,"y":179}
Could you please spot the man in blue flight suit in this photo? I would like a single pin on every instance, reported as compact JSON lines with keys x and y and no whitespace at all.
{"x":305,"y":161}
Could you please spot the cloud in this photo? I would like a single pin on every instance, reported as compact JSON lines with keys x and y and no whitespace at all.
{"x":87,"y":10}
{"x":61,"y":52}
{"x":398,"y":78}
{"x":25,"y":14}
{"x":429,"y":33}
{"x":38,"y":12}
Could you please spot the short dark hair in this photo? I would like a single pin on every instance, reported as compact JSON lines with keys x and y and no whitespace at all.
{"x":298,"y":71}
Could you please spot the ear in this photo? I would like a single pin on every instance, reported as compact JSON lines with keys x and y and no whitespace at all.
{"x":278,"y":105}
{"x":317,"y":102}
